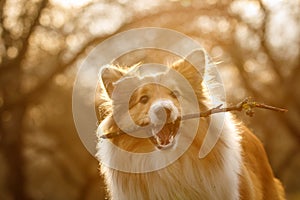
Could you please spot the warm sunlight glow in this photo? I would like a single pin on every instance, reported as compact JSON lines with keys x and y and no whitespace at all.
{"x":75,"y":74}
{"x":71,"y":3}
{"x":272,"y":3}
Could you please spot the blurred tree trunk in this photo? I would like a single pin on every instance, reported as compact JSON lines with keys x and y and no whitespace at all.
{"x":12,"y":137}
{"x":14,"y":106}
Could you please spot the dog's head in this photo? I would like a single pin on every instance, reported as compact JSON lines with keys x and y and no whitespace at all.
{"x":151,"y":103}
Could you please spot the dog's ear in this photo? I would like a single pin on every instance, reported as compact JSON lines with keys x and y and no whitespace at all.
{"x":109,"y":75}
{"x":192,"y":66}
{"x":198,"y":59}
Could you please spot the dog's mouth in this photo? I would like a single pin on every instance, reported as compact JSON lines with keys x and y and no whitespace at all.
{"x":165,"y":137}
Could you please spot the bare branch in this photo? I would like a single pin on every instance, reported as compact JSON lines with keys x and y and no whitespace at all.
{"x":34,"y":25}
{"x":16,"y":63}
{"x":246,"y":105}
{"x":28,"y":97}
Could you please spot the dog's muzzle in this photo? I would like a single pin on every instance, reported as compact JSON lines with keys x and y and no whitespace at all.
{"x":164,"y":117}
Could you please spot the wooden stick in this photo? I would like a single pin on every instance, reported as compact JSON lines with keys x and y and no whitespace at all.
{"x":246,"y":105}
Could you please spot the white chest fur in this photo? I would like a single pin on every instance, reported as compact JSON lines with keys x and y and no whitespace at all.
{"x":189,"y":177}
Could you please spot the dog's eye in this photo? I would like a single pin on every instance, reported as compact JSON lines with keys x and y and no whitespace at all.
{"x":175,"y":94}
{"x":144,"y":99}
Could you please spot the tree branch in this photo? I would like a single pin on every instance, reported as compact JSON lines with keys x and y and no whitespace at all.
{"x":27,"y":97}
{"x":246,"y":105}
{"x":16,"y":62}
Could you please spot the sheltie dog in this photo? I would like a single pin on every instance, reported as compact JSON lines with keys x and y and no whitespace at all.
{"x":235,"y":168}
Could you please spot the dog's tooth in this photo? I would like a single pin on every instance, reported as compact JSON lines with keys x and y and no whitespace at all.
{"x":171,"y":139}
{"x":160,"y":141}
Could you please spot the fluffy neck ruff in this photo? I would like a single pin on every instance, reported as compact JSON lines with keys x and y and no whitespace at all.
{"x":189,"y":177}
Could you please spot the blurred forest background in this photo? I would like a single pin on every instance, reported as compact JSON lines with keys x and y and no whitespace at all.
{"x":43,"y":42}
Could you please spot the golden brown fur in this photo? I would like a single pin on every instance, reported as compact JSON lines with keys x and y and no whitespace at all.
{"x":257,"y":180}
{"x":236,"y":168}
